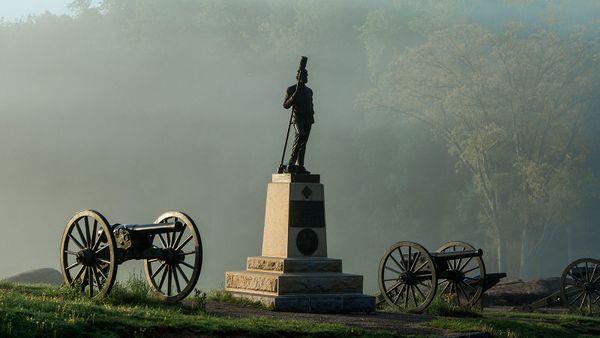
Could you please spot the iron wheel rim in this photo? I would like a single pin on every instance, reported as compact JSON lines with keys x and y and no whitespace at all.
{"x":167,"y":277}
{"x":89,"y":249}
{"x":407,"y":277}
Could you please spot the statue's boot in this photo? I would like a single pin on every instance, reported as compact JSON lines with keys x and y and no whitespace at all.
{"x":302,"y":170}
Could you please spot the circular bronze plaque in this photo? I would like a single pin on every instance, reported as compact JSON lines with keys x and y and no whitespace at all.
{"x":307,"y":242}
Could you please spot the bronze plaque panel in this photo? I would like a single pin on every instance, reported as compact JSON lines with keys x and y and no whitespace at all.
{"x":307,"y":242}
{"x":307,"y":214}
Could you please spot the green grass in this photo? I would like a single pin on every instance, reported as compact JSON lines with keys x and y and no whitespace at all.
{"x":498,"y":327}
{"x":440,"y":307}
{"x":437,"y":307}
{"x":508,"y":324}
{"x":523,"y":324}
{"x":135,"y":290}
{"x":42,"y":310}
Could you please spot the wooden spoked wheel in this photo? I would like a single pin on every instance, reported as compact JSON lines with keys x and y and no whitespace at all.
{"x":88,"y":254}
{"x":462,"y":283}
{"x":580,"y":285}
{"x":174,"y":277}
{"x":407,"y":277}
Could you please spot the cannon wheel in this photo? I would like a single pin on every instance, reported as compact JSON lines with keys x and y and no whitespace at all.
{"x":173,"y":279}
{"x":407,"y":277}
{"x":88,"y":253}
{"x":580,"y":284}
{"x":466,"y":281}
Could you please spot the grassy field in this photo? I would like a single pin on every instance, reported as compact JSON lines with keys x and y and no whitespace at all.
{"x":41,"y":310}
{"x":514,"y":324}
{"x":523,"y":325}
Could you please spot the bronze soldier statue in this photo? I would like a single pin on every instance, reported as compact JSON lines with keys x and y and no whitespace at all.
{"x":300,"y":98}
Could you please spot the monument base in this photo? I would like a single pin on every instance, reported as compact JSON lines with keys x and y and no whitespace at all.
{"x":294,"y":273}
{"x":311,"y":284}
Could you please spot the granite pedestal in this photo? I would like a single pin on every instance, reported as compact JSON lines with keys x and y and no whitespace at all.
{"x":294,"y":273}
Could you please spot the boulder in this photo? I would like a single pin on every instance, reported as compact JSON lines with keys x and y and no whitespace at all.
{"x":518,"y":292}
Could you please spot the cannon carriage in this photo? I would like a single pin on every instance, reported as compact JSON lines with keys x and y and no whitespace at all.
{"x":171,"y":247}
{"x":410,"y":277}
{"x":579,"y":287}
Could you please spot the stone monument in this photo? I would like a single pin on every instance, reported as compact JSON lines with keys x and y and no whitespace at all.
{"x":294,"y":273}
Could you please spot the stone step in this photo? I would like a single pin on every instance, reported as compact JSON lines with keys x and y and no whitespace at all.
{"x":252,"y":294}
{"x":309,"y":264}
{"x":250,"y":280}
{"x":325,"y":282}
{"x":314,"y":303}
{"x":294,"y":283}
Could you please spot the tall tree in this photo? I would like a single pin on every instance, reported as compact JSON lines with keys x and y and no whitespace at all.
{"x":510,"y":107}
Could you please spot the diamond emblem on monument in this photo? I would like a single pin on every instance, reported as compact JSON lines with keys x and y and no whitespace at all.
{"x":306,"y":192}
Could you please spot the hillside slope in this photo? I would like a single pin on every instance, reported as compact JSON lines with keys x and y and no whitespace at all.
{"x":38,"y":276}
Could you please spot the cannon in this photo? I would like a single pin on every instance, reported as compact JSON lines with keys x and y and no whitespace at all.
{"x":580,"y":284}
{"x":579,"y":287}
{"x":171,"y":247}
{"x":410,"y":276}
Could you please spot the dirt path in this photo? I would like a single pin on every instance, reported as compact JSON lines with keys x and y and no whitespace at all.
{"x":402,"y":323}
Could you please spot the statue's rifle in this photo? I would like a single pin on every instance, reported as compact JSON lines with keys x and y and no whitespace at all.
{"x":301,"y":68}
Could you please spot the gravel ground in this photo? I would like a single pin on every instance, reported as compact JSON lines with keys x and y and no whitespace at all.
{"x":402,"y":323}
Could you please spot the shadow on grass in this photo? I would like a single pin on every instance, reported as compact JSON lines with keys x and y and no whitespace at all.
{"x":504,"y":328}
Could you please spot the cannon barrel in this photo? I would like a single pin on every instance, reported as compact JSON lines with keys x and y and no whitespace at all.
{"x":152,"y":229}
{"x":457,"y":254}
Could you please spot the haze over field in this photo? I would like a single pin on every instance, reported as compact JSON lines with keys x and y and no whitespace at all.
{"x":435,"y":121}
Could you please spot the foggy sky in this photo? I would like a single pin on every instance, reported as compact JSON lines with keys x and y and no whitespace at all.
{"x":132,"y":131}
{"x":15,"y":10}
